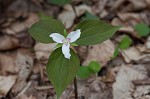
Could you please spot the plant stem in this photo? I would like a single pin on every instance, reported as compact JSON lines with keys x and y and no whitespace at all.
{"x":75,"y":88}
{"x":74,"y":10}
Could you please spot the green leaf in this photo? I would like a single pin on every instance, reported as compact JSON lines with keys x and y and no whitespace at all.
{"x":142,"y":29}
{"x":84,"y":72}
{"x":125,"y":42}
{"x":65,"y":33}
{"x":74,"y":44}
{"x":89,"y":16}
{"x":59,"y":2}
{"x":94,"y":32}
{"x":43,"y":16}
{"x":58,"y":45}
{"x":41,"y":30}
{"x":116,"y":52}
{"x":94,"y":66}
{"x":61,"y":71}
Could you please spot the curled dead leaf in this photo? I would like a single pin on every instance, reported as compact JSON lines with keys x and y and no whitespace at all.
{"x":42,"y":51}
{"x":67,"y":17}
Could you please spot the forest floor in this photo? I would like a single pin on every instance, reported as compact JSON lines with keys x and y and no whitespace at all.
{"x":23,"y":60}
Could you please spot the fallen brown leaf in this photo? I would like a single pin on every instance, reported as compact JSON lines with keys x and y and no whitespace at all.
{"x":132,"y":53}
{"x":123,"y":87}
{"x":68,"y":16}
{"x":8,"y":43}
{"x":101,"y":53}
{"x":25,"y":64}
{"x":7,"y":65}
{"x":42,"y":51}
{"x":6,"y":83}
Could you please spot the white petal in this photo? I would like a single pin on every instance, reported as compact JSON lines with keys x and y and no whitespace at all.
{"x":74,"y":35}
{"x":57,"y":37}
{"x":66,"y":50}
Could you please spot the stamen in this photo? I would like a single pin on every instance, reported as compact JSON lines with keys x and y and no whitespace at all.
{"x":66,"y":41}
{"x":69,"y":39}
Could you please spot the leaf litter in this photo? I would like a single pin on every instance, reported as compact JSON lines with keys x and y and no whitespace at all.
{"x":22,"y":60}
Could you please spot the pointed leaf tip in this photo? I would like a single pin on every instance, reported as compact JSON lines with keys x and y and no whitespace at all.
{"x":94,"y":32}
{"x":62,"y":71}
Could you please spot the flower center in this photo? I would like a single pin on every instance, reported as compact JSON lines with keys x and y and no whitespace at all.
{"x":66,"y":41}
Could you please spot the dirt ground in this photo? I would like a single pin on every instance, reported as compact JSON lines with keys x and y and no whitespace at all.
{"x":23,"y":60}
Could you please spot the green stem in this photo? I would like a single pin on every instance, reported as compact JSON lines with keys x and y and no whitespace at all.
{"x":75,"y":88}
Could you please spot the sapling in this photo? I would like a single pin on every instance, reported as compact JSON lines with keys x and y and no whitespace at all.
{"x":86,"y":71}
{"x":125,"y":43}
{"x":63,"y":63}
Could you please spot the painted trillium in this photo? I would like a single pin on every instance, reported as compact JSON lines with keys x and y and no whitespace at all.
{"x":71,"y":37}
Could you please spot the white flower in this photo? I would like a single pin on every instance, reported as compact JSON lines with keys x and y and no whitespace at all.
{"x":71,"y":37}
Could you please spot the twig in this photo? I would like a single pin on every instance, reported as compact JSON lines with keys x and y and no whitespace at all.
{"x":25,"y":89}
{"x":43,"y":87}
{"x":75,"y":88}
{"x":74,"y":9}
{"x":141,"y":82}
{"x":69,"y":94}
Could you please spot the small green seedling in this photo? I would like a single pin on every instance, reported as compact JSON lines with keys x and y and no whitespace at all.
{"x":123,"y":44}
{"x":86,"y":71}
{"x":142,"y":29}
